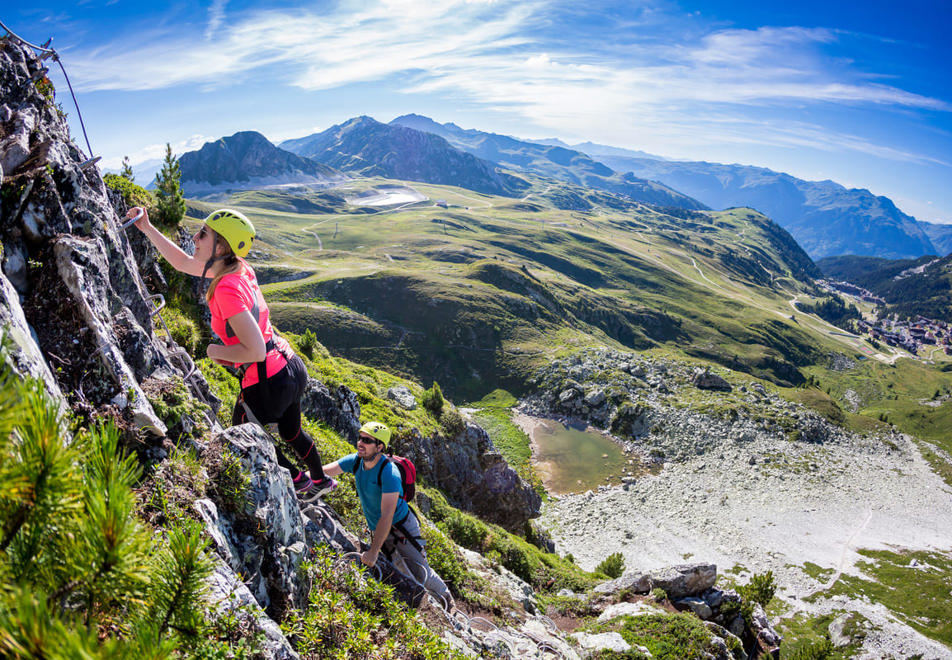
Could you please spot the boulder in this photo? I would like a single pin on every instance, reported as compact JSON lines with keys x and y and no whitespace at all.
{"x":594,"y":644}
{"x":705,"y":380}
{"x":266,"y":542}
{"x":639,"y":583}
{"x":697,"y":605}
{"x":684,"y":580}
{"x":338,"y":409}
{"x":403,"y":397}
{"x":640,"y":608}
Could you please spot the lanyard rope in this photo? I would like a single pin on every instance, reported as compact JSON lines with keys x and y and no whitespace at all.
{"x":49,"y":52}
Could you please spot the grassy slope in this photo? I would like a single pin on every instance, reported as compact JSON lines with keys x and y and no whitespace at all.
{"x":478,"y":294}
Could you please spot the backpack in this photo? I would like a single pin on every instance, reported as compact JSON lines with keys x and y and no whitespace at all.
{"x":407,"y":473}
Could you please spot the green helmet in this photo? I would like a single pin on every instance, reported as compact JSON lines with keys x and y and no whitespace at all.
{"x":377,"y":431}
{"x":234,"y":227}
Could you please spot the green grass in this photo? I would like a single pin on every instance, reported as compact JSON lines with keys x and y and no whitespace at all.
{"x":919,"y":597}
{"x":666,"y":636}
{"x":473,"y":297}
{"x":807,"y":638}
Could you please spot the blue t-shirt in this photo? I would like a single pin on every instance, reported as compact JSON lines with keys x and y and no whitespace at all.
{"x":370,"y":493}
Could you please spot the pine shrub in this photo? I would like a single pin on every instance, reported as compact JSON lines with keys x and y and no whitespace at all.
{"x":432,"y":400}
{"x":83,"y":577}
{"x":613,"y":565}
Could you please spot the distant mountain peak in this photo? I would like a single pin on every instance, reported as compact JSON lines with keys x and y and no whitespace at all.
{"x":247,"y":159}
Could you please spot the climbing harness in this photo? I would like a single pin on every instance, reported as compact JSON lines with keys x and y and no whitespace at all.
{"x":51,"y":53}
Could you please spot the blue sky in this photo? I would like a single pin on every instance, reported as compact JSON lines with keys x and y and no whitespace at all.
{"x":857,"y":93}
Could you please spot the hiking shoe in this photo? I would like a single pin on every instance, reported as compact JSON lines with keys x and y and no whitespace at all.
{"x":302,"y":483}
{"x":323,"y":487}
{"x":309,"y":490}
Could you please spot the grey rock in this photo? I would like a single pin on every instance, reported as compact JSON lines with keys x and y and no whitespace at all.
{"x":475,"y":477}
{"x":685,"y":579}
{"x":609,"y":641}
{"x":639,"y":583}
{"x":595,"y":398}
{"x":338,"y":409}
{"x":270,"y":558}
{"x":640,"y":608}
{"x":402,"y":396}
{"x":26,"y":356}
{"x":705,"y":380}
{"x":697,"y":605}
{"x":229,"y":596}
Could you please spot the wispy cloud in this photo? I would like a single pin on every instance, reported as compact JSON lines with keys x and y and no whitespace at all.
{"x":495,"y":55}
{"x":216,"y":16}
{"x":155,"y":152}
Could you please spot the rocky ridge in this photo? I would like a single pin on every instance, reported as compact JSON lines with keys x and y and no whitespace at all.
{"x":747,"y":479}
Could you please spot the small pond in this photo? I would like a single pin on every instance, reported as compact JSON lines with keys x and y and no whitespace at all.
{"x":573,"y":459}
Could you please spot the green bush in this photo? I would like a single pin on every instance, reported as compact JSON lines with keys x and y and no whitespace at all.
{"x":452,"y":422}
{"x":184,"y":331}
{"x":132,"y":194}
{"x":83,"y":577}
{"x":613,"y":565}
{"x":307,"y":343}
{"x":444,"y":558}
{"x":760,"y":589}
{"x":351,"y":616}
{"x":432,"y":400}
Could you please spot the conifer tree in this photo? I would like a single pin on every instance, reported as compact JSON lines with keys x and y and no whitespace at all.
{"x":126,"y":171}
{"x":170,"y":200}
{"x":80,"y":575}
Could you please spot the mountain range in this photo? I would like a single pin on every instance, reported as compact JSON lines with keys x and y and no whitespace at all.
{"x":823,"y":216}
{"x":248,"y":160}
{"x":550,"y":160}
{"x":827,"y":219}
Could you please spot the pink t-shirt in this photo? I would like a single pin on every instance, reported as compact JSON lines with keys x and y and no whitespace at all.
{"x":236,"y":293}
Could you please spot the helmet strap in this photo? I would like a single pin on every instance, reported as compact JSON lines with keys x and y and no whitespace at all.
{"x":214,"y":257}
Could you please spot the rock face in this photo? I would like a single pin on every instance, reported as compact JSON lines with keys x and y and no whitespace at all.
{"x":85,"y":310}
{"x":473,"y":475}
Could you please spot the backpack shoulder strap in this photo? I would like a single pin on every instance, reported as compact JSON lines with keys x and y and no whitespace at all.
{"x":386,"y":459}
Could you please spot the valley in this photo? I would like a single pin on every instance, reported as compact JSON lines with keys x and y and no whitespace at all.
{"x":489,"y":292}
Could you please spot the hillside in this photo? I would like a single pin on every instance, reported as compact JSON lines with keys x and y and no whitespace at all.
{"x":940,"y":235}
{"x":472,"y":294}
{"x":910,"y":287}
{"x":812,"y":467}
{"x":366,"y":147}
{"x":550,"y":160}
{"x":248,"y":160}
{"x":825,"y":218}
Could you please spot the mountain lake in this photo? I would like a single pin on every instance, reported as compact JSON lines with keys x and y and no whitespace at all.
{"x":573,"y":458}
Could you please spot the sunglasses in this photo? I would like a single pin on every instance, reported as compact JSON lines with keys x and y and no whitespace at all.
{"x":367,"y":441}
{"x":203,"y":232}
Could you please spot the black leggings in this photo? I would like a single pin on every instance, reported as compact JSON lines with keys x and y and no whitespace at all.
{"x":278,"y":399}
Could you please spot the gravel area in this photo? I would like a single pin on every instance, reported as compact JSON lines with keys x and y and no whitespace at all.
{"x":754,"y":503}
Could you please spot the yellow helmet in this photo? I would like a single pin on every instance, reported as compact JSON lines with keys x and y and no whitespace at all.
{"x":234,"y":227}
{"x":377,"y":431}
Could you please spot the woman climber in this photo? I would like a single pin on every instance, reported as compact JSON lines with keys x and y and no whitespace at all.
{"x":272,"y":377}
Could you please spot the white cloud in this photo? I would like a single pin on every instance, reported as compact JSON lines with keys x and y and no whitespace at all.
{"x":216,"y":16}
{"x":154,"y":152}
{"x":670,"y":92}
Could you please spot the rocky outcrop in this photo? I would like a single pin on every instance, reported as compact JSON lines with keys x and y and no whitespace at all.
{"x":82,"y":307}
{"x":640,"y":400}
{"x":690,"y":587}
{"x":473,"y":475}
